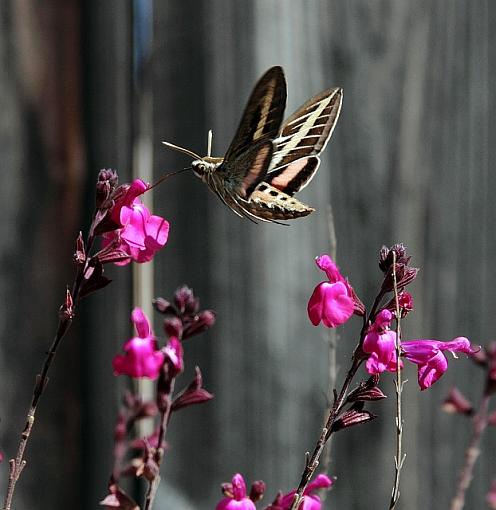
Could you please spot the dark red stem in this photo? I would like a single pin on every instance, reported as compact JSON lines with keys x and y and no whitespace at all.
{"x":480,"y":422}
{"x":356,"y":360}
{"x":65,"y":321}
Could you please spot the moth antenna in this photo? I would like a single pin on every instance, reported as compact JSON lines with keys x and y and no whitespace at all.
{"x":182,"y":149}
{"x":209,"y":143}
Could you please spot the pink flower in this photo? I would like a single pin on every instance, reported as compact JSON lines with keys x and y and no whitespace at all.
{"x":331,"y":302}
{"x":127,"y":194}
{"x":310,"y":501}
{"x":236,"y":498}
{"x":380,"y":343}
{"x":142,"y":358}
{"x":428,"y":355}
{"x":140,"y":233}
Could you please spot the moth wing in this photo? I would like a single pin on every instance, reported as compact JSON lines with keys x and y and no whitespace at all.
{"x":263,"y":114}
{"x":303,"y":137}
{"x":243,"y":175}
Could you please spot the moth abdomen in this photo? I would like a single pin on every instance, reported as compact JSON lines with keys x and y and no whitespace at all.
{"x":269,"y":203}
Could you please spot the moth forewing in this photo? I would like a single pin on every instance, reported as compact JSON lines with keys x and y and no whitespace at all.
{"x":263,"y":114}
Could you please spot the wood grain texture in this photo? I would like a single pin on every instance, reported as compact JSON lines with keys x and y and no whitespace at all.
{"x":40,"y":196}
{"x":410,"y":160}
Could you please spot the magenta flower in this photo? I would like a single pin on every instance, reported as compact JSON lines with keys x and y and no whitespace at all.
{"x":127,"y":194}
{"x":310,"y":501}
{"x":236,"y":498}
{"x":140,"y":233}
{"x":380,"y":343}
{"x":331,"y":302}
{"x":429,"y":356}
{"x":142,"y":358}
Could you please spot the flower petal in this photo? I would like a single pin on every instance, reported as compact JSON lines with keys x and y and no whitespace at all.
{"x":430,"y":372}
{"x":330,"y":268}
{"x":321,"y":482}
{"x":141,"y":323}
{"x":381,"y":347}
{"x":331,"y":304}
{"x":141,"y":359}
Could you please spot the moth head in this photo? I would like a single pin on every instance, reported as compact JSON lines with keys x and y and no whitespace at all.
{"x":200,"y":167}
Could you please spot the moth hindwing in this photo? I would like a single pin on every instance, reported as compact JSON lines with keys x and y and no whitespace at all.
{"x":269,"y":160}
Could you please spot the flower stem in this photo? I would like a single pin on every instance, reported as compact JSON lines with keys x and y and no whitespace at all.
{"x":65,"y":320}
{"x":159,"y":454}
{"x":313,"y":462}
{"x":471,"y":454}
{"x":399,"y":458}
{"x":339,"y":401}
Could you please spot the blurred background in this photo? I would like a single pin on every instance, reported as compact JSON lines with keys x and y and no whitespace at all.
{"x":90,"y":85}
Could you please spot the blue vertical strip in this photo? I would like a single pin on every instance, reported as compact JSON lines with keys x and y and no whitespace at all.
{"x":142,"y":37}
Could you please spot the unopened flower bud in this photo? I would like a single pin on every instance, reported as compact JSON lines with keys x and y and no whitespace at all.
{"x":163,"y":306}
{"x":396,"y":257}
{"x":405,"y":302}
{"x":108,"y":175}
{"x":201,"y":322}
{"x":456,"y":403}
{"x":386,"y":256}
{"x":257,"y":490}
{"x":173,"y":326}
{"x":185,"y":300}
{"x":66,"y":311}
{"x":227,"y":489}
{"x":106,"y":183}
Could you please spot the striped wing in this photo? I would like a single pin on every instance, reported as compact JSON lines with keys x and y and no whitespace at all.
{"x":260,"y":124}
{"x":263,"y":114}
{"x":303,"y":137}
